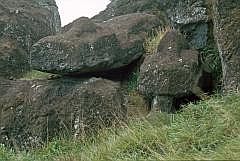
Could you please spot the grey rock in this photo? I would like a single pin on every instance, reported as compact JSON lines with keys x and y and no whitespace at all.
{"x":55,"y":20}
{"x":226,"y":16}
{"x":187,"y":11}
{"x":13,"y":60}
{"x":22,"y":23}
{"x":85,"y":46}
{"x":162,"y":104}
{"x":171,"y":72}
{"x":28,"y":21}
{"x":33,"y":112}
{"x":190,"y":16}
{"x":196,"y":34}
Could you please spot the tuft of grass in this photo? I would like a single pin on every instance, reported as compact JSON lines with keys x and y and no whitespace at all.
{"x":35,"y":74}
{"x":152,"y":42}
{"x":204,"y":131}
{"x":5,"y":155}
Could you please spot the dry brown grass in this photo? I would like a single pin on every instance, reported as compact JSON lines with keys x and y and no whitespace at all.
{"x":152,"y":42}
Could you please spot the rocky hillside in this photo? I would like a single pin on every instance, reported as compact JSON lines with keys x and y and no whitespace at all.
{"x":135,"y":58}
{"x":208,"y":130}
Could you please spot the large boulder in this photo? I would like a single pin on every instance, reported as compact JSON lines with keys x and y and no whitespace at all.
{"x":122,"y":7}
{"x":54,"y":18}
{"x":170,"y":73}
{"x":226,"y":16}
{"x":13,"y":60}
{"x":23,"y":22}
{"x":190,"y":16}
{"x":32,"y":112}
{"x":85,"y":46}
{"x":28,"y":21}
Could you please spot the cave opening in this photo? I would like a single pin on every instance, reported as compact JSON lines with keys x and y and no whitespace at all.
{"x":118,"y":74}
{"x":207,"y":83}
{"x":180,"y":102}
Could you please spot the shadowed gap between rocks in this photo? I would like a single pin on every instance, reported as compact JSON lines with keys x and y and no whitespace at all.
{"x":179,"y":102}
{"x":173,"y":104}
{"x":119,"y":74}
{"x":206,"y":83}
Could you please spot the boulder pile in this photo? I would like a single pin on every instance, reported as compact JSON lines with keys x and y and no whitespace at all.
{"x":89,"y":55}
{"x":85,"y":46}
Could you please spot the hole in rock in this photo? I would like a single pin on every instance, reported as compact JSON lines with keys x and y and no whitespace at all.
{"x":179,"y":102}
{"x":118,"y":74}
{"x":207,"y":82}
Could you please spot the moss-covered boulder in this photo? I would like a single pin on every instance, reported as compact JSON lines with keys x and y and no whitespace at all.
{"x":226,"y":16}
{"x":169,"y":73}
{"x":32,"y":112}
{"x":13,"y":59}
{"x":28,"y":21}
{"x":22,"y":23}
{"x":85,"y":46}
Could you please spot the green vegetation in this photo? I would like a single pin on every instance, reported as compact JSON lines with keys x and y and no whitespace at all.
{"x":35,"y":74}
{"x":133,"y":81}
{"x":211,"y":61}
{"x":207,"y":130}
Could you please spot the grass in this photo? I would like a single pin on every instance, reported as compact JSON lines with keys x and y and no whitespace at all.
{"x":209,"y":130}
{"x":152,"y":42}
{"x":35,"y":74}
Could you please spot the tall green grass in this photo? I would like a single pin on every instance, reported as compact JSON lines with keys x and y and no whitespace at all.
{"x":205,"y":131}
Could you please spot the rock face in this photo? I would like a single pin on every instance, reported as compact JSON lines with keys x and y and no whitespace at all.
{"x":28,"y":21}
{"x":179,"y":11}
{"x":85,"y":46}
{"x":188,"y":15}
{"x":13,"y":60}
{"x":194,"y":12}
{"x":172,"y":72}
{"x":54,"y":19}
{"x":227,"y":33}
{"x":191,"y":17}
{"x":22,"y":23}
{"x":122,"y":7}
{"x":35,"y":111}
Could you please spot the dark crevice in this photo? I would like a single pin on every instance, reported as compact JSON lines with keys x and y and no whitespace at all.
{"x":179,"y":102}
{"x":207,"y":83}
{"x":118,"y":74}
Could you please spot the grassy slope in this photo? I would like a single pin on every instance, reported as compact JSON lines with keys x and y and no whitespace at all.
{"x":208,"y":130}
